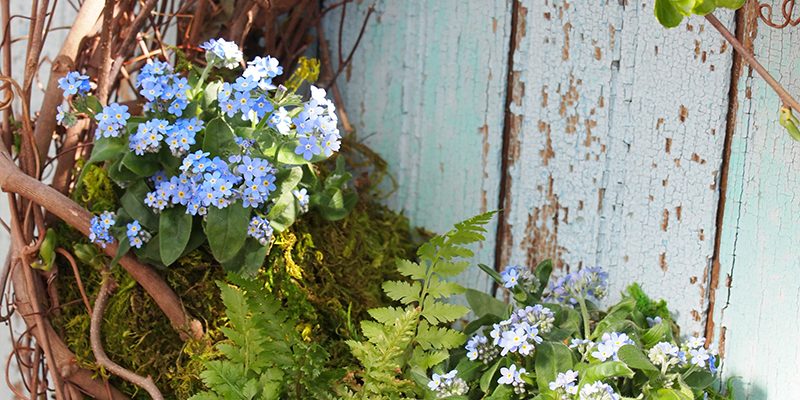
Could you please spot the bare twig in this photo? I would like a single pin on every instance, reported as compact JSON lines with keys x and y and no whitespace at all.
{"x":105,"y":53}
{"x":784,"y":95}
{"x":349,"y":58}
{"x":100,"y":303}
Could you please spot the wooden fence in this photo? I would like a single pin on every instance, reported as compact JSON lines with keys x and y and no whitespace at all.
{"x":607,"y":140}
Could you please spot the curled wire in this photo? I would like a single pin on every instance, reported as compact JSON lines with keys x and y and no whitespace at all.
{"x":766,"y":13}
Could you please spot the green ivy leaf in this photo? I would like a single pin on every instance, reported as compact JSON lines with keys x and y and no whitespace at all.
{"x":175,"y":228}
{"x":226,"y":229}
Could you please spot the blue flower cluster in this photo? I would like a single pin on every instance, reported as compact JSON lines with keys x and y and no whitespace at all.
{"x":609,"y":347}
{"x":136,"y":235}
{"x":164,"y":90}
{"x":514,"y":276}
{"x":222,"y":52}
{"x":518,"y":334}
{"x":178,"y":136}
{"x":586,"y":283}
{"x":99,"y":229}
{"x":513,"y":376}
{"x":74,"y":83}
{"x":111,"y":121}
{"x":206,"y":182}
{"x":566,"y":387}
{"x":448,"y":385}
{"x":317,"y":126}
{"x":260,"y":229}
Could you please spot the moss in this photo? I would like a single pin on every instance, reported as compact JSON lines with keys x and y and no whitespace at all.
{"x":342,"y":265}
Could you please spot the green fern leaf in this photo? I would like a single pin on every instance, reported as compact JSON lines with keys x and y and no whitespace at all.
{"x":411,"y":269}
{"x":438,"y":288}
{"x":386,"y":315}
{"x":403,"y":292}
{"x":432,"y":337}
{"x":436,"y":312}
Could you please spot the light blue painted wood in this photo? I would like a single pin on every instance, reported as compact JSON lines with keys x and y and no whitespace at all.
{"x":758,"y":303}
{"x":426,"y":89}
{"x":616,"y":146}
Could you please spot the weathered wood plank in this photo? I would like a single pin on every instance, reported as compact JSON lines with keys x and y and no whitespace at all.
{"x":757,"y":306}
{"x":426,"y":89}
{"x":615,"y":146}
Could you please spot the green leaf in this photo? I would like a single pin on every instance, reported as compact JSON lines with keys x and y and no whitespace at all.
{"x":608,"y":369}
{"x":107,"y":148}
{"x":551,"y":358}
{"x":226,"y":229}
{"x":502,"y":392}
{"x":386,"y":315}
{"x":657,"y":333}
{"x":699,"y":379}
{"x":488,"y":377}
{"x":284,"y":211}
{"x":133,"y":203}
{"x":667,"y":14}
{"x":433,"y":337}
{"x":482,"y":304}
{"x":403,"y":292}
{"x":47,"y":250}
{"x":143,"y":166}
{"x":437,"y":312}
{"x":731,"y":4}
{"x":669,"y":394}
{"x":542,"y":273}
{"x":635,"y":358}
{"x":174,"y":227}
{"x":248,"y":260}
{"x":410,"y":269}
{"x":122,"y":249}
{"x":438,"y":288}
{"x":491,"y":272}
{"x":704,"y":7}
{"x":219,"y":139}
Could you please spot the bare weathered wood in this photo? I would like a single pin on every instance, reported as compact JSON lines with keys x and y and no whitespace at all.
{"x":756,"y":318}
{"x":426,"y":89}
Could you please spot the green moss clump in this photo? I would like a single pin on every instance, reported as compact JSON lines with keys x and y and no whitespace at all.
{"x":342,"y":265}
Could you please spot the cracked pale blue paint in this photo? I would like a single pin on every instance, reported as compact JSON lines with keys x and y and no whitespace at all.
{"x":426,"y":90}
{"x":760,"y":312}
{"x":618,"y":167}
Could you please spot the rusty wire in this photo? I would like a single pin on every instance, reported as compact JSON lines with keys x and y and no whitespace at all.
{"x":766,"y":12}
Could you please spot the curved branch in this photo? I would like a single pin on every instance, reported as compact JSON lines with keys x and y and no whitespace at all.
{"x":62,"y":359}
{"x":83,"y":26}
{"x":12,"y":179}
{"x":95,"y":338}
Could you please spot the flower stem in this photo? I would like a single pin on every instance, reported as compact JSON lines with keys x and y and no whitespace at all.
{"x":585,"y":317}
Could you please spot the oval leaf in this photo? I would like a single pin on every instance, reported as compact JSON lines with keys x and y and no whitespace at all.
{"x":175,"y":227}
{"x":226,"y":229}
